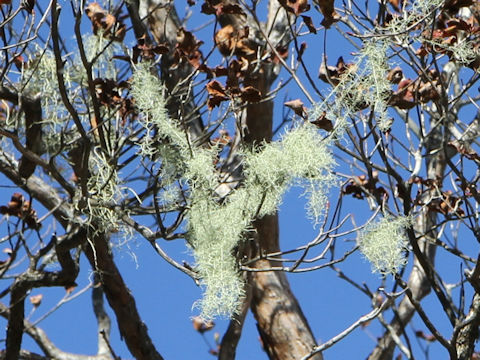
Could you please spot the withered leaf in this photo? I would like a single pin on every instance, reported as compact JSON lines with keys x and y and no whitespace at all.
{"x":214,"y":88}
{"x":332,"y":74}
{"x":396,"y":4}
{"x":465,"y":150}
{"x":187,"y":48}
{"x":298,"y":107}
{"x":69,"y":289}
{"x":36,"y":300}
{"x":22,"y":209}
{"x":447,"y":205}
{"x":231,"y":41}
{"x":395,"y":75}
{"x":202,"y":325}
{"x":361,"y":185}
{"x":309,"y":23}
{"x":295,"y":6}
{"x":303,"y":47}
{"x":327,"y":8}
{"x":28,"y":5}
{"x":186,"y":41}
{"x":323,"y":123}
{"x":219,"y":8}
{"x":251,"y":94}
{"x":109,"y":24}
{"x":404,"y":97}
{"x":148,"y":51}
{"x":217,"y":94}
{"x":214,"y":352}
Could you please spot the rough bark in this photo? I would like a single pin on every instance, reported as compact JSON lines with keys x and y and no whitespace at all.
{"x":469,"y":331}
{"x":283,"y":328}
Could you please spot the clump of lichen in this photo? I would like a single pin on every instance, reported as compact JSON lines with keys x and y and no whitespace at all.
{"x":300,"y":157}
{"x":384,"y":243}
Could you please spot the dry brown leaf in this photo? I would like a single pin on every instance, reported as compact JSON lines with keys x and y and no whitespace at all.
{"x":309,"y":23}
{"x":22,"y":209}
{"x":36,"y":300}
{"x":323,"y":123}
{"x":298,"y":107}
{"x":202,"y":325}
{"x":111,"y":27}
{"x":327,"y":8}
{"x":395,"y":75}
{"x":231,"y":41}
{"x":251,"y":94}
{"x":216,"y":93}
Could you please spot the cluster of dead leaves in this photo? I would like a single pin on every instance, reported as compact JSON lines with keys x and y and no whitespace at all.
{"x":361,"y":186}
{"x":465,"y":150}
{"x":219,"y":8}
{"x":447,"y":35}
{"x":298,"y":7}
{"x":219,"y":93}
{"x":412,"y":92}
{"x":146,"y":51}
{"x":231,"y":41}
{"x":238,"y":85}
{"x":408,"y":93}
{"x":187,"y":49}
{"x":109,"y":95}
{"x":446,"y":203}
{"x":110,"y":25}
{"x":22,"y":209}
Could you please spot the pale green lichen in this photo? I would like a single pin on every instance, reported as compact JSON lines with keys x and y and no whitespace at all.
{"x":363,"y":85}
{"x":216,"y":226}
{"x":384,"y":243}
{"x":104,"y":193}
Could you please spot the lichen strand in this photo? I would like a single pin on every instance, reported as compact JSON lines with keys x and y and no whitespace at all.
{"x":103,"y":186}
{"x":300,"y":157}
{"x":364,"y":84}
{"x":383,"y":244}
